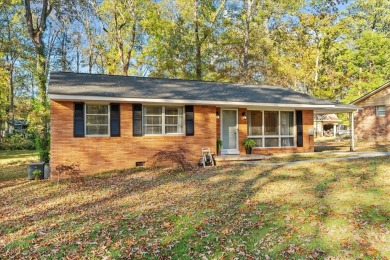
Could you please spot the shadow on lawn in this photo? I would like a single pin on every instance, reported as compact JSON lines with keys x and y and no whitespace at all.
{"x":171,"y":214}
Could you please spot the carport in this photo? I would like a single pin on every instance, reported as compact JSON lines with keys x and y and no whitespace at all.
{"x":340,"y":108}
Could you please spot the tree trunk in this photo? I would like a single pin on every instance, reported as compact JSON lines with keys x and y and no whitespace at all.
{"x":78,"y":60}
{"x":317,"y":69}
{"x":63,"y":52}
{"x":41,"y":74}
{"x":90,"y":64}
{"x":36,"y":29}
{"x":36,"y":35}
{"x":198,"y":62}
{"x":245,"y":63}
{"x":11,"y":84}
{"x":248,"y":19}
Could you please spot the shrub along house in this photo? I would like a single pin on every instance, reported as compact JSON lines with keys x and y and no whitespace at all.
{"x":112,"y":122}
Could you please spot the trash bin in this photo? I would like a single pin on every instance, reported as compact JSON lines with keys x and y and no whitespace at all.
{"x":36,"y":166}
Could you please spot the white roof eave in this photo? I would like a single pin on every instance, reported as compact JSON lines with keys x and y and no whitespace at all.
{"x":327,"y":108}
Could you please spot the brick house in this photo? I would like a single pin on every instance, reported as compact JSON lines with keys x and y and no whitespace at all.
{"x":112,"y":122}
{"x":373,"y":122}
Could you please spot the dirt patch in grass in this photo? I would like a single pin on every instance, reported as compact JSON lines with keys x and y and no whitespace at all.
{"x":314,"y":210}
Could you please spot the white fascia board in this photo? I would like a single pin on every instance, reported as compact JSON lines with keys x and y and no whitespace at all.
{"x":181,"y":101}
{"x":335,"y":110}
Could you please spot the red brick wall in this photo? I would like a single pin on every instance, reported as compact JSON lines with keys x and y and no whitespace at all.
{"x":370,"y":127}
{"x":242,"y":129}
{"x":97,"y":154}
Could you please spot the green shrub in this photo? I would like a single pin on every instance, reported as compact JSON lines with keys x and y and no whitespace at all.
{"x":43,"y":147}
{"x":16,"y":142}
{"x":36,"y":174}
{"x":249,"y":143}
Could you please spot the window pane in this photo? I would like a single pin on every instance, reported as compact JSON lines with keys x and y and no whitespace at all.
{"x":97,"y":129}
{"x":255,"y":119}
{"x":103,"y":119}
{"x":380,"y":110}
{"x":97,"y":120}
{"x":153,"y":120}
{"x":287,"y":141}
{"x":153,"y":130}
{"x":171,"y":129}
{"x":271,"y":122}
{"x":271,"y":142}
{"x":259,"y":142}
{"x":153,"y":110}
{"x":155,"y":123}
{"x":171,"y":120}
{"x":173,"y":110}
{"x":97,"y":109}
{"x":287,"y":123}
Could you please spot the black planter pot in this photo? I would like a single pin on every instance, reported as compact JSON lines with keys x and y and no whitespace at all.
{"x":248,"y":150}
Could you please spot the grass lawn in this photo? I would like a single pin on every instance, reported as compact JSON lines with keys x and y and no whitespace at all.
{"x":314,"y":210}
{"x":13,"y":164}
{"x":326,"y":145}
{"x":303,"y":157}
{"x":342,"y":145}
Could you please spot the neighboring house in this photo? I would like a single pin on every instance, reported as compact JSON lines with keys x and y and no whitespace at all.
{"x":112,"y":122}
{"x":326,"y":124}
{"x":373,"y":122}
{"x":17,"y":126}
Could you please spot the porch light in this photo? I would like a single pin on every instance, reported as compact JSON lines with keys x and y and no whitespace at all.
{"x":217,"y":115}
{"x":243,"y":116}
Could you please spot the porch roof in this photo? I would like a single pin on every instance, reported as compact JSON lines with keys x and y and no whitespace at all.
{"x":97,"y":87}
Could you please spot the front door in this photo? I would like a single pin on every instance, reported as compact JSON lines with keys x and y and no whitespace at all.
{"x":229,"y":131}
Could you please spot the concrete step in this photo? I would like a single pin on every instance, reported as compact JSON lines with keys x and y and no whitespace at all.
{"x":231,"y":159}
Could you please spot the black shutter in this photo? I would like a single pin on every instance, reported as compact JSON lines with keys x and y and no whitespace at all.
{"x":115,"y":120}
{"x":299,"y":129}
{"x":78,"y":120}
{"x":190,"y":129}
{"x":137,"y":119}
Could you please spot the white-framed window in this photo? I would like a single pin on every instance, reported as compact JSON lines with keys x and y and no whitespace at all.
{"x":97,"y":120}
{"x":381,"y":110}
{"x":163,"y":120}
{"x":272,"y":128}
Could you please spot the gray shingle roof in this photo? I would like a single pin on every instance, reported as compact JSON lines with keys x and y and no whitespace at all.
{"x":95,"y":85}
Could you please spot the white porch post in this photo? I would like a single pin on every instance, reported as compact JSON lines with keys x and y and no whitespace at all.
{"x":334,"y":130}
{"x":351,"y":132}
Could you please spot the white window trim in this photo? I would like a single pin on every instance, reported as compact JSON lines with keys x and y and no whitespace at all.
{"x":280,"y":136}
{"x":109,"y":119}
{"x":376,"y":111}
{"x":163,"y":121}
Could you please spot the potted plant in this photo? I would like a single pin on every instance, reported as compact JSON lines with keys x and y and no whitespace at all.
{"x":36,"y":173}
{"x":248,"y":144}
{"x":219,"y":146}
